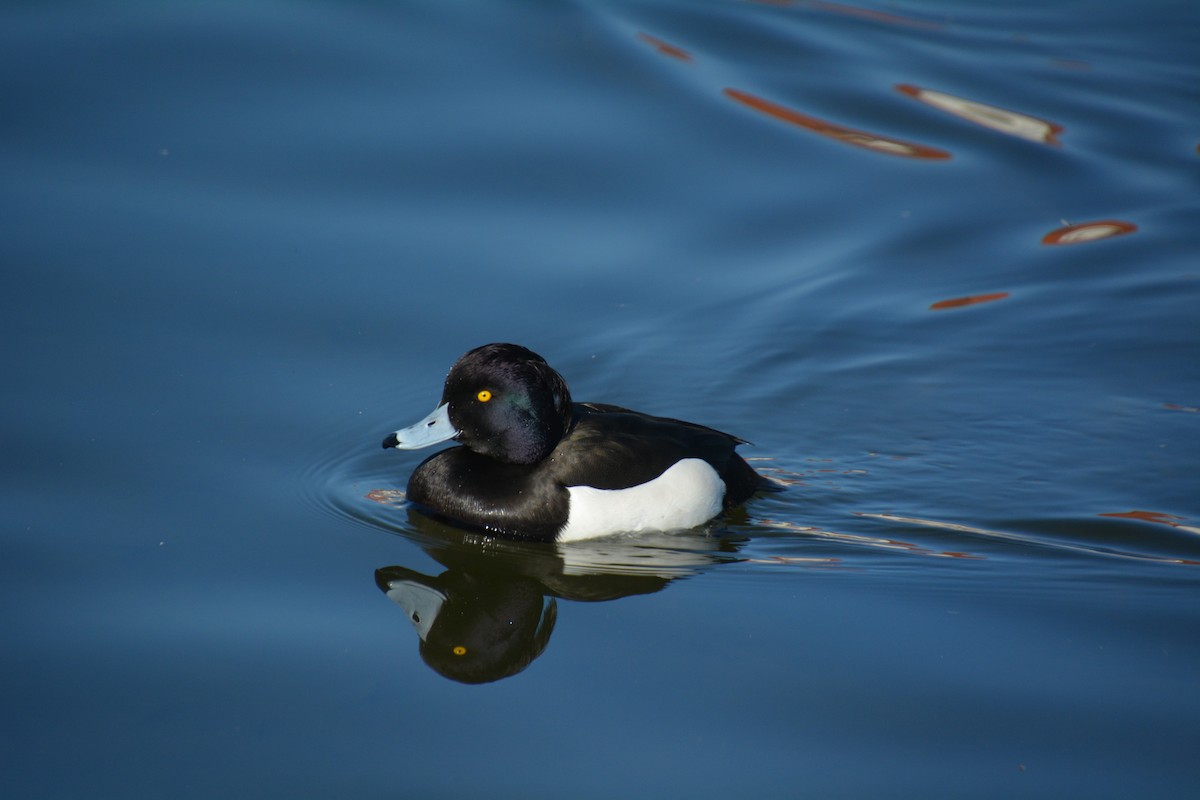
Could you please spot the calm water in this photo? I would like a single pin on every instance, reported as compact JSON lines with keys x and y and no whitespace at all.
{"x":937,"y":260}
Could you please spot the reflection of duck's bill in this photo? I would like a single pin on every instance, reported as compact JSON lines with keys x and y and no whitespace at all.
{"x":433,"y":429}
{"x":413,"y":592}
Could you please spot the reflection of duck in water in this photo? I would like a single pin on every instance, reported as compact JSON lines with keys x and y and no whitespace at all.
{"x":535,"y":465}
{"x":491,"y":612}
{"x":473,"y":629}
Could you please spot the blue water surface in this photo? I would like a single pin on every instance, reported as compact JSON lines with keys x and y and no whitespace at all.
{"x":937,"y":260}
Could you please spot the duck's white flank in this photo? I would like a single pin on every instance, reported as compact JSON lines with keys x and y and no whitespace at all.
{"x":686,"y":495}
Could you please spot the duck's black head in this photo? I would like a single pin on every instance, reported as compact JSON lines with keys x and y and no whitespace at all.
{"x":507,"y":403}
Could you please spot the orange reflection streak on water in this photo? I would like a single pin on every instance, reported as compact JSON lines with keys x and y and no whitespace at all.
{"x":856,"y":11}
{"x":1072,"y":64}
{"x":1186,"y":409}
{"x":666,"y":48}
{"x":1013,"y":123}
{"x":959,"y":302}
{"x":1089,"y":231}
{"x":850,"y":136}
{"x":1157,"y":517}
{"x":798,"y":561}
{"x":1032,"y":540}
{"x":385,"y":497}
{"x":879,"y":542}
{"x":873,"y":15}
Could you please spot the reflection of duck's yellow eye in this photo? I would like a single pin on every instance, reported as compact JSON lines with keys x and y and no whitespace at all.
{"x":459,"y":650}
{"x":483,"y":396}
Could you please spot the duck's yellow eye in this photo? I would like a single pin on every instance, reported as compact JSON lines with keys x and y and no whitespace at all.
{"x":459,"y":650}
{"x":483,"y":396}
